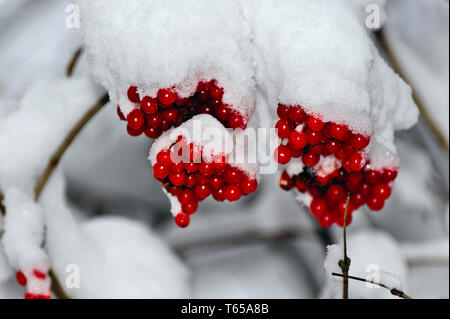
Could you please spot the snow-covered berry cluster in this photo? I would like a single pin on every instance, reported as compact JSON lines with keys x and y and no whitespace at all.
{"x":153,"y":116}
{"x":35,"y":275}
{"x":333,"y":164}
{"x":193,"y":178}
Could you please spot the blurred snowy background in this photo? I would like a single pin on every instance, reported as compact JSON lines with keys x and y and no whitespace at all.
{"x":115,"y":224}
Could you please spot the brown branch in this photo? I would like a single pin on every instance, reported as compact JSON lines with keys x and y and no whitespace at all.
{"x":73,"y":62}
{"x":393,"y":291}
{"x":345,"y":264}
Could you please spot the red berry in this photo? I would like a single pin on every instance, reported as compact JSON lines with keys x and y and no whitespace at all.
{"x":177,"y":167}
{"x":135,"y":119}
{"x":358,"y":200}
{"x":298,"y":140}
{"x":301,"y":185}
{"x":236,"y":121}
{"x":338,"y":131}
{"x":389,"y":175}
{"x":135,"y":133}
{"x":154,"y":120}
{"x":223,"y":112}
{"x":297,"y":153}
{"x":232,"y":193}
{"x":283,"y":154}
{"x":359,"y":141}
{"x":314,"y":137}
{"x":163,"y":157}
{"x":365,"y":189}
{"x":220,"y":162}
{"x":334,"y":146}
{"x":283,"y":112}
{"x":375,"y":203}
{"x":175,"y":190}
{"x":170,"y":115}
{"x":182,"y":220}
{"x":191,"y":167}
{"x":216,"y":182}
{"x":336,"y":193}
{"x":21,"y":279}
{"x":382,"y":191}
{"x":177,"y":179}
{"x":187,"y":196}
{"x":248,"y":186}
{"x":216,"y":93}
{"x":153,"y":133}
{"x":190,"y":208}
{"x":166,"y":97}
{"x":356,"y":162}
{"x":341,"y":155}
{"x":39,"y":274}
{"x":340,"y":220}
{"x":133,"y":95}
{"x":311,"y":160}
{"x":191,"y":181}
{"x":318,"y":207}
{"x":296,"y":114}
{"x":372,"y":177}
{"x":315,"y":124}
{"x":161,"y":171}
{"x":283,"y":128}
{"x":149,"y":105}
{"x":355,"y":178}
{"x":207,"y":169}
{"x":286,"y":182}
{"x":342,"y":206}
{"x":326,"y":220}
{"x":232,"y":175}
{"x":120,"y":114}
{"x":202,"y":192}
{"x":218,"y":195}
{"x":316,"y":149}
{"x":201,"y":180}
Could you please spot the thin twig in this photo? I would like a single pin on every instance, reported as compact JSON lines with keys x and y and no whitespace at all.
{"x":73,"y":62}
{"x":393,"y":291}
{"x":345,"y":264}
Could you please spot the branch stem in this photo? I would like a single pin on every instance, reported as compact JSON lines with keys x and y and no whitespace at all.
{"x":345,"y":264}
{"x":73,"y":62}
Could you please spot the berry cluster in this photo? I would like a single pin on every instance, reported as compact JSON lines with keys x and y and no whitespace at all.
{"x":194,"y":180}
{"x":22,"y":281}
{"x":155,"y":115}
{"x":309,"y":138}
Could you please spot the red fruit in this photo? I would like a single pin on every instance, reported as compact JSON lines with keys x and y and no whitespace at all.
{"x":236,"y":121}
{"x":296,"y":114}
{"x":318,"y":207}
{"x":220,"y":162}
{"x":326,"y":220}
{"x":365,"y":189}
{"x":182,"y":220}
{"x":286,"y":182}
{"x":232,"y":193}
{"x":382,"y":191}
{"x":207,"y":169}
{"x":283,"y":112}
{"x":338,"y":131}
{"x":191,"y":181}
{"x":389,"y":175}
{"x":135,"y":119}
{"x":216,"y":182}
{"x":334,"y":146}
{"x":315,"y":123}
{"x":190,"y":208}
{"x":298,"y":140}
{"x":163,"y":157}
{"x":167,"y":97}
{"x":341,"y":207}
{"x":187,"y":196}
{"x":191,"y":167}
{"x":154,"y":120}
{"x":39,"y":274}
{"x":170,"y":115}
{"x":341,"y":155}
{"x":218,"y":195}
{"x":216,"y":93}
{"x":153,"y":133}
{"x":316,"y":149}
{"x":177,"y":167}
{"x":223,"y":112}
{"x":201,"y":180}
{"x":21,"y":279}
{"x":135,"y":133}
{"x":356,"y":162}
{"x":336,"y":193}
{"x":311,"y":160}
{"x":178,"y":179}
{"x":340,"y":220}
{"x":355,"y":178}
{"x":359,"y":141}
{"x":202,"y":192}
{"x":283,"y":128}
{"x":297,"y":153}
{"x":352,"y":188}
{"x":133,"y":95}
{"x":372,"y":177}
{"x":283,"y":154}
{"x":301,"y":186}
{"x":314,"y":137}
{"x":232,"y":175}
{"x":161,"y":171}
{"x":175,"y":190}
{"x":358,"y":200}
{"x":248,"y":186}
{"x":322,"y":180}
{"x":375,"y":203}
{"x":120,"y":114}
{"x":149,"y":105}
